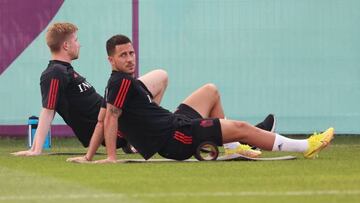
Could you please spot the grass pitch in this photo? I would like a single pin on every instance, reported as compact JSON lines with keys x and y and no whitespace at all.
{"x":333,"y":177}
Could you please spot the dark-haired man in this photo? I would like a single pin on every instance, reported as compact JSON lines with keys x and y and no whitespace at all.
{"x":152,"y":129}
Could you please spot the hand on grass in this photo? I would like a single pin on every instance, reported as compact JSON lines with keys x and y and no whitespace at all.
{"x":105,"y":161}
{"x":26,"y":153}
{"x":80,"y":160}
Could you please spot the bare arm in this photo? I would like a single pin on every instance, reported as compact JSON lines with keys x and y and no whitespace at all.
{"x":96,"y":139}
{"x":110,"y":132}
{"x":45,"y":120}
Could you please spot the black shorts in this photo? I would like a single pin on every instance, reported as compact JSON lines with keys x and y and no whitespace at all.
{"x":191,"y":131}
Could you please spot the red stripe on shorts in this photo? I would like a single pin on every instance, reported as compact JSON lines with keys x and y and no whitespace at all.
{"x":182,"y":138}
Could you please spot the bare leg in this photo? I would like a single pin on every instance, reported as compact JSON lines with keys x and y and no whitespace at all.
{"x":244,"y":132}
{"x":239,"y":131}
{"x":156,"y":81}
{"x":206,"y":101}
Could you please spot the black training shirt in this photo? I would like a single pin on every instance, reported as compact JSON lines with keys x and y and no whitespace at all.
{"x":72,"y":97}
{"x":144,"y":124}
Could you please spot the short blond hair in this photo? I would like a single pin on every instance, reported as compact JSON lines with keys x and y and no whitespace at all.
{"x":57,"y":33}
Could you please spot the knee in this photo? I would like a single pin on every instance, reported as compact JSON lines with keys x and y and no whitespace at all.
{"x":162,"y":76}
{"x":241,"y":124}
{"x":100,"y":124}
{"x":211,"y":88}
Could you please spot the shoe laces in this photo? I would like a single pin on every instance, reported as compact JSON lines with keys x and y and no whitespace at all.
{"x":316,"y":139}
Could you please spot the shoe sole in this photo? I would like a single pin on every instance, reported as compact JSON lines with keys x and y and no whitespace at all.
{"x":248,"y":154}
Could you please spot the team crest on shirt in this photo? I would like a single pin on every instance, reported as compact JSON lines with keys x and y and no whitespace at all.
{"x":206,"y":123}
{"x":76,"y":75}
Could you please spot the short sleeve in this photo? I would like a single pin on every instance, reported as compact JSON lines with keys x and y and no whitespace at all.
{"x":51,"y":87}
{"x":103,"y":102}
{"x":118,"y":92}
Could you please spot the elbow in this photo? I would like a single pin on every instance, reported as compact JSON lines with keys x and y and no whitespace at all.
{"x":100,"y":124}
{"x":112,"y":116}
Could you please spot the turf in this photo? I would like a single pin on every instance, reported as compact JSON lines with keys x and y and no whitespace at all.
{"x":333,"y":177}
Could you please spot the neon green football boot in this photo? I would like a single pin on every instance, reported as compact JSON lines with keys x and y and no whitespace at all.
{"x":317,"y":142}
{"x":243,"y":149}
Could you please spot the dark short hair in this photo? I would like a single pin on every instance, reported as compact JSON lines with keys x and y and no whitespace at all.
{"x":115,"y":40}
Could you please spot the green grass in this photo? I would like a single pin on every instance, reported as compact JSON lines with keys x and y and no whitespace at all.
{"x":333,"y":177}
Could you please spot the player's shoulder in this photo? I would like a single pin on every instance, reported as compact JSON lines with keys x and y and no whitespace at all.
{"x":117,"y":77}
{"x":55,"y":69}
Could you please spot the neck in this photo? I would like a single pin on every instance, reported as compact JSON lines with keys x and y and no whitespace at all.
{"x":60,"y":57}
{"x":131,"y":74}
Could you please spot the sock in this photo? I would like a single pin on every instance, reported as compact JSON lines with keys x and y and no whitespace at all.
{"x":231,"y":145}
{"x":285,"y":144}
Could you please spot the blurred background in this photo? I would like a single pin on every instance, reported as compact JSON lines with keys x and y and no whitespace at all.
{"x":297,"y":59}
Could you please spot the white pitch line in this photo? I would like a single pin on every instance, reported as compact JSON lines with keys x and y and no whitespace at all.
{"x":62,"y":196}
{"x":250,"y":193}
{"x":182,"y":194}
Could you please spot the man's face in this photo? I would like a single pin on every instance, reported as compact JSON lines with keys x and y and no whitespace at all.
{"x":123,"y":58}
{"x":73,"y":46}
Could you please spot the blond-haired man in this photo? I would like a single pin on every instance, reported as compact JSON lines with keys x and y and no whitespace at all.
{"x":69,"y":94}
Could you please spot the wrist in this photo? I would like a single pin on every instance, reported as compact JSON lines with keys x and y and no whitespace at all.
{"x":37,"y":151}
{"x":111,"y":158}
{"x":87,"y":158}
